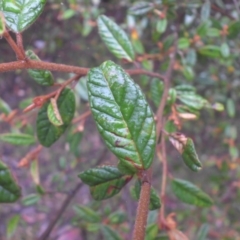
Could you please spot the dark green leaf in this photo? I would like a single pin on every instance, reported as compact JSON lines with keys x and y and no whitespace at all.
{"x":205,"y":10}
{"x":202,"y":232}
{"x":12,"y":225}
{"x":233,"y":30}
{"x":47,"y":132}
{"x":22,"y":13}
{"x":4,"y":107}
{"x":105,"y":181}
{"x":17,"y":138}
{"x":31,"y":199}
{"x":87,"y":214}
{"x":186,"y":148}
{"x":210,"y":51}
{"x":109,"y":233}
{"x":115,"y":38}
{"x":189,"y":193}
{"x":155,"y":202}
{"x":117,"y":217}
{"x":9,"y":190}
{"x":42,"y":77}
{"x":123,"y":117}
{"x":140,"y":8}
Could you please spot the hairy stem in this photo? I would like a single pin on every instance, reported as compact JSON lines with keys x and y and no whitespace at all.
{"x":142,"y":209}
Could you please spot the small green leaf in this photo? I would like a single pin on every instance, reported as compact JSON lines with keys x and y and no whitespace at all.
{"x":192,"y":100}
{"x":202,"y":30}
{"x":115,"y":38}
{"x":185,"y":89}
{"x":87,"y":214}
{"x":151,"y":231}
{"x":225,"y":51}
{"x":9,"y":190}
{"x":17,"y":139}
{"x":183,"y":43}
{"x":47,"y":132}
{"x":188,"y":72}
{"x":109,"y":233}
{"x":138,"y":46}
{"x":189,"y":193}
{"x":123,"y":117}
{"x":81,"y":88}
{"x":191,"y":57}
{"x":74,"y":140}
{"x":140,"y":8}
{"x":233,"y":30}
{"x":161,"y":25}
{"x":205,"y":10}
{"x":186,"y":148}
{"x":156,"y":90}
{"x":203,"y":232}
{"x":4,"y":107}
{"x":104,"y":182}
{"x":210,"y":51}
{"x":155,"y":202}
{"x":117,"y":217}
{"x":53,"y":113}
{"x":22,"y":13}
{"x":213,"y":32}
{"x":42,"y":77}
{"x":231,"y":109}
{"x":12,"y":225}
{"x":2,"y":24}
{"x":31,"y":199}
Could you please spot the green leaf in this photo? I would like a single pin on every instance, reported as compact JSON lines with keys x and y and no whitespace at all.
{"x":191,"y":57}
{"x":213,"y":32}
{"x":42,"y":77}
{"x":31,"y":199}
{"x":53,"y":113}
{"x":2,"y":24}
{"x":189,"y":193}
{"x":81,"y":88}
{"x":202,"y":30}
{"x":151,"y":231}
{"x":87,"y":214}
{"x":185,"y":89}
{"x":17,"y":139}
{"x":9,"y":190}
{"x":109,"y":233}
{"x":155,"y":202}
{"x":104,"y":182}
{"x":183,"y":43}
{"x":4,"y":107}
{"x":186,"y":148}
{"x":210,"y":51}
{"x":192,"y":100}
{"x":115,"y":38}
{"x":188,"y":72}
{"x":161,"y":25}
{"x":231,"y":109}
{"x":74,"y":140}
{"x":157,"y":88}
{"x":123,"y":117}
{"x":47,"y":132}
{"x":203,"y":232}
{"x":225,"y":51}
{"x":117,"y":217}
{"x":233,"y":30}
{"x":12,"y":225}
{"x":21,"y":14}
{"x":140,"y":8}
{"x":138,"y":46}
{"x":205,"y":10}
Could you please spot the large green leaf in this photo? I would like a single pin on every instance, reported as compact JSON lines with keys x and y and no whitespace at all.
{"x":189,"y":193}
{"x":17,"y":138}
{"x":47,"y":132}
{"x":105,"y":181}
{"x":109,"y":233}
{"x":87,"y":214}
{"x":115,"y":38}
{"x":42,"y":77}
{"x":9,"y":190}
{"x":123,"y":117}
{"x":20,"y":14}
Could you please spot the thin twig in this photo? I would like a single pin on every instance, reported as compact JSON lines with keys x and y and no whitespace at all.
{"x":82,"y":116}
{"x":144,"y":72}
{"x":66,"y":202}
{"x":142,"y":209}
{"x":20,"y":44}
{"x":14,"y":46}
